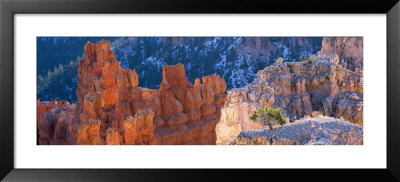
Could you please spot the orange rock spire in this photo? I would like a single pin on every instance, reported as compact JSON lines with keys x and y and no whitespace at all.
{"x":112,"y":109}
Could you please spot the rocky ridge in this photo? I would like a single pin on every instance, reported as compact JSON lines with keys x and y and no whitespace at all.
{"x":321,"y":86}
{"x":312,"y":131}
{"x":113,"y":110}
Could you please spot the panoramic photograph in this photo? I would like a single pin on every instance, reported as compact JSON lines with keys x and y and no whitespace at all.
{"x":199,"y":90}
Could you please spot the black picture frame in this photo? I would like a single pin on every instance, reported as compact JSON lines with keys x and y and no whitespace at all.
{"x":9,"y":8}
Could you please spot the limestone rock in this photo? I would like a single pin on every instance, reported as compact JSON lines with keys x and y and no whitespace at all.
{"x":113,"y":137}
{"x":105,"y":91}
{"x":215,"y":82}
{"x":174,"y":77}
{"x":349,"y":50}
{"x":170,"y":105}
{"x":54,"y":122}
{"x":349,"y":106}
{"x":89,"y":134}
{"x":314,"y":131}
{"x":315,"y":114}
{"x":298,"y":88}
{"x":138,"y":130}
{"x":42,"y":108}
{"x":190,"y":112}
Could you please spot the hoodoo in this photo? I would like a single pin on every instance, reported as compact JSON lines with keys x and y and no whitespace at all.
{"x":112,"y":109}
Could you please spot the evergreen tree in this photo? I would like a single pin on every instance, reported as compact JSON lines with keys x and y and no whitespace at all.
{"x":268,"y":116}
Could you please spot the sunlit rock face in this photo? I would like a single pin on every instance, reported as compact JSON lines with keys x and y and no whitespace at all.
{"x":106,"y":93}
{"x":113,"y":110}
{"x":323,"y":86}
{"x":312,"y":131}
{"x":349,"y":50}
{"x":189,"y":113}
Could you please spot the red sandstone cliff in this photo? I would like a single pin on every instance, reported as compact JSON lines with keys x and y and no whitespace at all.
{"x":113,"y":110}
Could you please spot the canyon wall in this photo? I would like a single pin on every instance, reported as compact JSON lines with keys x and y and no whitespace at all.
{"x":320,"y":86}
{"x":112,"y":109}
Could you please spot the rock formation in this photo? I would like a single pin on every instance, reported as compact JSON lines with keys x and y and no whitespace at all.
{"x":319,"y":84}
{"x":53,"y":122}
{"x":107,"y":95}
{"x":349,"y":50}
{"x":189,"y":113}
{"x":113,"y":110}
{"x":314,"y":131}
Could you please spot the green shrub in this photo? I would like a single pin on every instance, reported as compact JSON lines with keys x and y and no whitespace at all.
{"x":303,"y":58}
{"x":268,"y":116}
{"x":309,"y":60}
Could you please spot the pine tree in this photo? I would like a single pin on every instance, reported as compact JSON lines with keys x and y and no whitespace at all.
{"x":268,"y":116}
